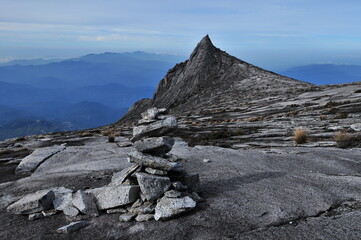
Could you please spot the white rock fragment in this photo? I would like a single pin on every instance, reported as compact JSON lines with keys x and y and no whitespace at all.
{"x":127,"y":217}
{"x":171,"y":207}
{"x":33,"y":203}
{"x":72,"y":227}
{"x":152,"y":186}
{"x":114,"y":196}
{"x":85,"y":203}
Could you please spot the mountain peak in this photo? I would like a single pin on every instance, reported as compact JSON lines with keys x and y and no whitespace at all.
{"x":204,"y":46}
{"x":213,"y":78}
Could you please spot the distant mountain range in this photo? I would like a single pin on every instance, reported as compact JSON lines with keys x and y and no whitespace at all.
{"x":78,"y":93}
{"x":325,"y":73}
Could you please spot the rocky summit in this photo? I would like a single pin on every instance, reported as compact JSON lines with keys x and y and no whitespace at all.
{"x":224,"y":150}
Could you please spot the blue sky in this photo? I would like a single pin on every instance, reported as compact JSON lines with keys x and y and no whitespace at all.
{"x":270,"y":33}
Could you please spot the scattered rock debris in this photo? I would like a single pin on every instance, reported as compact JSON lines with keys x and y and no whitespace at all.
{"x":156,"y":186}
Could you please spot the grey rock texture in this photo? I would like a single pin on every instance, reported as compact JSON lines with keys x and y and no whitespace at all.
{"x":171,"y":207}
{"x":152,"y":186}
{"x":32,"y":203}
{"x":144,"y":217}
{"x":213,"y":75}
{"x":114,"y":196}
{"x":156,"y":146}
{"x":127,"y":217}
{"x":147,"y":160}
{"x":155,"y":171}
{"x":62,"y":202}
{"x":72,"y":227}
{"x":119,"y":177}
{"x":156,"y":129}
{"x":85,"y":203}
{"x":31,"y":162}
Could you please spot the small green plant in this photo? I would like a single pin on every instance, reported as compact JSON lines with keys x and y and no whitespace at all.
{"x":323,"y":117}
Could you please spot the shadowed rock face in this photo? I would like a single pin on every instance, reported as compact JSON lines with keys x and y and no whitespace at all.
{"x":211,"y":74}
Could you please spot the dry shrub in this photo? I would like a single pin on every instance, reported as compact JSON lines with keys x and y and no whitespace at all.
{"x":347,"y":140}
{"x":256,"y":119}
{"x":300,"y":135}
{"x":323,"y":117}
{"x":107,"y":132}
{"x":341,"y":116}
{"x":86,"y":134}
{"x":111,"y":138}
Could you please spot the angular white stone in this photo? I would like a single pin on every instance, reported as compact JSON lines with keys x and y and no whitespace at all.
{"x":152,"y":186}
{"x":32,"y":203}
{"x":114,"y":196}
{"x":171,"y":207}
{"x":85,"y":203}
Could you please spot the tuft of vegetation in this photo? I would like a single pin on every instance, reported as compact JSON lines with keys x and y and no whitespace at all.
{"x":323,"y":117}
{"x":347,"y":140}
{"x":111,"y":138}
{"x":358,"y":91}
{"x":107,"y":132}
{"x":300,"y":136}
{"x":256,"y":119}
{"x":86,"y":134}
{"x":341,"y":115}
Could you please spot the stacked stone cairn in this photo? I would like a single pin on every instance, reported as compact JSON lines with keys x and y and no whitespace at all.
{"x":166,"y":189}
{"x":156,"y":186}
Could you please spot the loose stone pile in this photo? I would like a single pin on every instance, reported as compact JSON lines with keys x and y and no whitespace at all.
{"x":156,"y":186}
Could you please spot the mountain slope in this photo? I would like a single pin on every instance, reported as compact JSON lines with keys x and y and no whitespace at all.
{"x":211,"y":77}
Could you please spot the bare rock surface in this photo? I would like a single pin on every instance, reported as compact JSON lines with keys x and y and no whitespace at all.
{"x":31,"y":162}
{"x":252,"y":193}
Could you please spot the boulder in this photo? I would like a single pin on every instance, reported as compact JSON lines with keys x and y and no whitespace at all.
{"x":171,"y":207}
{"x":33,"y":203}
{"x":156,"y":129}
{"x":72,"y":227}
{"x":155,"y":145}
{"x":155,"y":171}
{"x":147,"y":160}
{"x":85,"y":203}
{"x":114,"y":196}
{"x":152,"y":186}
{"x":119,"y":177}
{"x":32,"y":161}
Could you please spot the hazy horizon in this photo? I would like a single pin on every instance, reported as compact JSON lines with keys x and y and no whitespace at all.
{"x":275,"y":34}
